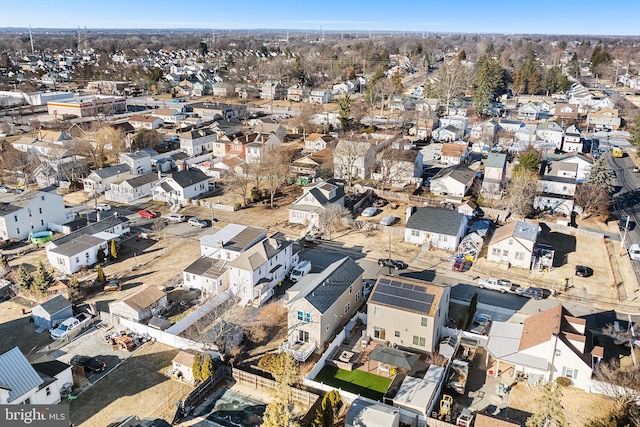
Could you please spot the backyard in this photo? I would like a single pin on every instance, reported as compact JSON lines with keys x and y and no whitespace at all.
{"x":358,"y":382}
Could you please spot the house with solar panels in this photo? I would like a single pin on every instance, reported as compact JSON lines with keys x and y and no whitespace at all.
{"x":407,"y":313}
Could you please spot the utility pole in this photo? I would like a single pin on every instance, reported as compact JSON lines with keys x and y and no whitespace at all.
{"x":31,"y":39}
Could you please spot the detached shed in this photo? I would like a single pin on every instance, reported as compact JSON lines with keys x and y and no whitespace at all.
{"x":51,"y":312}
{"x":366,"y":414}
{"x":139,"y":305}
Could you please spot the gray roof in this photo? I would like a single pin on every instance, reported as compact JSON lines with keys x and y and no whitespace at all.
{"x":435,"y":220}
{"x":17,"y":374}
{"x":460,"y":173}
{"x":137,"y":155}
{"x":55,"y":304}
{"x":140,"y":180}
{"x":51,"y":368}
{"x":322,"y":289}
{"x":91,"y":229}
{"x":197,"y":134}
{"x":208,"y":267}
{"x":234,"y":237}
{"x":112,"y":170}
{"x":189,"y":177}
{"x":79,"y":244}
{"x":363,"y":413}
{"x":496,"y":160}
{"x":10,"y":202}
{"x":526,"y":230}
{"x":394,"y":357}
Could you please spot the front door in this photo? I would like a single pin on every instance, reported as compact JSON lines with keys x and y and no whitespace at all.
{"x":303,"y":336}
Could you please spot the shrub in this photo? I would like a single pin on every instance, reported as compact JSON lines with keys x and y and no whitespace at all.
{"x":563,"y":381}
{"x":237,"y":206}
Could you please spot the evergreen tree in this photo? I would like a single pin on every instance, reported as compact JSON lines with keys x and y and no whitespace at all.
{"x":113,"y":250}
{"x":24,"y":278}
{"x":528,"y":161}
{"x":635,"y":132}
{"x":526,"y":79}
{"x":601,"y":175}
{"x":285,"y":372}
{"x":73,"y":290}
{"x":42,"y":279}
{"x":196,"y":368}
{"x":101,"y":278}
{"x":550,"y":412}
{"x":207,"y":367}
{"x":489,"y":83}
{"x":100,"y":255}
{"x":345,"y":111}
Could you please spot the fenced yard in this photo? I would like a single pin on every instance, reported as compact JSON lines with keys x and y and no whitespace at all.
{"x":358,"y":382}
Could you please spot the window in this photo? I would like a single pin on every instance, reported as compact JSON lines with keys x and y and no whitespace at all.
{"x":304,"y":317}
{"x":376,"y":311}
{"x":357,"y":296}
{"x":350,"y":288}
{"x":415,"y":233}
{"x":346,"y":307}
{"x":558,"y":352}
{"x":48,"y":391}
{"x":86,"y":255}
{"x":519,"y":256}
{"x":77,"y":259}
{"x":42,"y":197}
{"x":379,"y":333}
{"x":419,"y":341}
{"x":42,"y":222}
{"x":188,"y":276}
{"x":15,"y":218}
{"x":18,"y":230}
{"x":397,"y":334}
{"x":327,"y":328}
{"x":424,"y":321}
{"x":29,"y":212}
{"x":505,"y":253}
{"x":569,"y":372}
{"x":510,"y":241}
{"x":496,"y":251}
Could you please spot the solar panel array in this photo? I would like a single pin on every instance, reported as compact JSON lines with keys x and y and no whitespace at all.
{"x":396,"y":293}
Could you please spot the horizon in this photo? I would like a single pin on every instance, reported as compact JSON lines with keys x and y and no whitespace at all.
{"x":463,"y":17}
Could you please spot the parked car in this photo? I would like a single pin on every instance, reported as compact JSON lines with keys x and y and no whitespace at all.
{"x":103,"y":207}
{"x":91,"y":364}
{"x":634,"y":251}
{"x":495,"y":284}
{"x":369,"y":211}
{"x":626,"y":223}
{"x":393,"y":263}
{"x":460,"y":264}
{"x":635,"y":169}
{"x":530,"y":292}
{"x":380,"y":203}
{"x":367,"y":285}
{"x":480,"y":324}
{"x":313,"y":235}
{"x":583,"y":271}
{"x":145,"y":213}
{"x":114,"y":285}
{"x":389,"y":220}
{"x":174,"y":217}
{"x":197,"y":222}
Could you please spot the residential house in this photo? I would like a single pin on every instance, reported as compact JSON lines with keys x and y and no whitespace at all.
{"x":309,"y":167}
{"x":57,"y":377}
{"x":353,"y":159}
{"x":318,"y":141}
{"x":454,"y":154}
{"x":23,"y":385}
{"x":431,"y":153}
{"x":584,"y":164}
{"x":219,"y":110}
{"x":29,"y":212}
{"x":566,"y":112}
{"x":555,"y":193}
{"x":447,"y":133}
{"x":494,"y":182}
{"x":222,"y":90}
{"x":605,"y":118}
{"x":275,"y":128}
{"x":453,"y":181}
{"x":321,"y":303}
{"x":139,"y":162}
{"x":348,"y":86}
{"x":572,"y":139}
{"x":100,"y":180}
{"x":221,"y":146}
{"x":129,"y":187}
{"x":228,"y":243}
{"x":547,"y":345}
{"x":440,"y":228}
{"x":256,"y":151}
{"x":55,"y":171}
{"x":272,"y":90}
{"x":255,"y":273}
{"x":182,"y":366}
{"x":514,"y":243}
{"x":529,"y":112}
{"x":297,"y":92}
{"x":140,"y":121}
{"x":207,"y":274}
{"x":51,"y":312}
{"x":484,"y":131}
{"x":551,"y":131}
{"x":399,"y":167}
{"x":459,"y":122}
{"x":316,"y":197}
{"x":247,"y":92}
{"x":320,"y":96}
{"x":181,"y":186}
{"x":139,"y":305}
{"x":79,"y":248}
{"x":196,"y":142}
{"x":407,"y":313}
{"x":169,"y":115}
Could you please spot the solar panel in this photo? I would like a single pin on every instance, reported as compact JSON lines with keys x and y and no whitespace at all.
{"x":405,"y":295}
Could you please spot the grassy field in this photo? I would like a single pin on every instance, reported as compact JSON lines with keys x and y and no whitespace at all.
{"x":359,"y":382}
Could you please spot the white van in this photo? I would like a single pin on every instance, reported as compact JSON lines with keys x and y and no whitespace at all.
{"x":300,"y":270}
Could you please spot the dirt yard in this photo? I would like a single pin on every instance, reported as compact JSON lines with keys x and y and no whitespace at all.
{"x":137,"y":387}
{"x":579,"y":407}
{"x":16,"y":328}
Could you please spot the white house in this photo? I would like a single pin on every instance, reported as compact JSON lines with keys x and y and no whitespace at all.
{"x":206,"y":274}
{"x":255,"y":273}
{"x":551,"y":131}
{"x":514,"y":243}
{"x":447,"y":133}
{"x":198,"y":141}
{"x":555,"y":194}
{"x":546,"y":346}
{"x":29,"y":212}
{"x":572,"y":139}
{"x":68,"y":169}
{"x":452,"y":181}
{"x":454,"y":153}
{"x":318,"y":141}
{"x":316,"y":197}
{"x":585,"y":163}
{"x":181,"y":186}
{"x":130,"y":187}
{"x":494,"y":181}
{"x":100,"y":180}
{"x":229,"y":242}
{"x":320,"y":96}
{"x":139,"y":121}
{"x":139,"y":162}
{"x":398,"y":167}
{"x":353,"y":159}
{"x":256,"y":151}
{"x":169,"y":115}
{"x":440,"y":228}
{"x":529,"y":112}
{"x":141,"y":304}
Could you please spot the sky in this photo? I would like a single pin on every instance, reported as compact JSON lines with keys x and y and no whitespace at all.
{"x":586,"y":17}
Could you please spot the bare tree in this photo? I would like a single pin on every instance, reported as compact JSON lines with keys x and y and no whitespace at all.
{"x":276,"y":170}
{"x":449,"y":82}
{"x":390,"y":161}
{"x":240,"y":185}
{"x":592,"y":199}
{"x":521,"y":192}
{"x":332,"y":217}
{"x":346,"y":154}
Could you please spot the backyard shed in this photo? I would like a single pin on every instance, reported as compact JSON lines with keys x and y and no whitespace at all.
{"x":140,"y":304}
{"x":363,"y":413}
{"x":51,"y":312}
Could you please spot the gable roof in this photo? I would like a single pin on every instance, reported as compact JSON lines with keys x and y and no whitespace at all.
{"x":323,"y":289}
{"x":51,"y":368}
{"x":78,"y":244}
{"x":460,"y":173}
{"x":260,"y":253}
{"x":496,"y":160}
{"x":233,"y":237}
{"x":17,"y":374}
{"x":453,"y":150}
{"x":143,"y":298}
{"x":189,"y":177}
{"x":435,"y":220}
{"x":112,"y":170}
{"x":55,"y":304}
{"x":10,"y":202}
{"x":519,"y":230}
{"x":184,"y":358}
{"x":91,"y":229}
{"x":541,"y":327}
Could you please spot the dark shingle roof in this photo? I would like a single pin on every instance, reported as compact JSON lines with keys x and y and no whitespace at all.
{"x":322,"y":289}
{"x":142,"y":179}
{"x":50,"y":368}
{"x":55,"y":304}
{"x":112,"y":170}
{"x":460,"y":173}
{"x":189,"y":177}
{"x":91,"y":229}
{"x":435,"y":220}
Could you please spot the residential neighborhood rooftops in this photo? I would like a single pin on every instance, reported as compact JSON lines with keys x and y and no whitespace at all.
{"x":208,"y":267}
{"x":496,"y":160}
{"x":517,"y":229}
{"x":142,"y":298}
{"x":10,"y":202}
{"x":407,"y":294}
{"x":189,"y":177}
{"x":78,"y":244}
{"x":440,"y":220}
{"x":50,"y":368}
{"x":93,"y":228}
{"x":460,"y":173}
{"x":234,"y":237}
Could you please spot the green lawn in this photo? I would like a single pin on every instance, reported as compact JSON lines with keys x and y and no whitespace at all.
{"x":359,"y":382}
